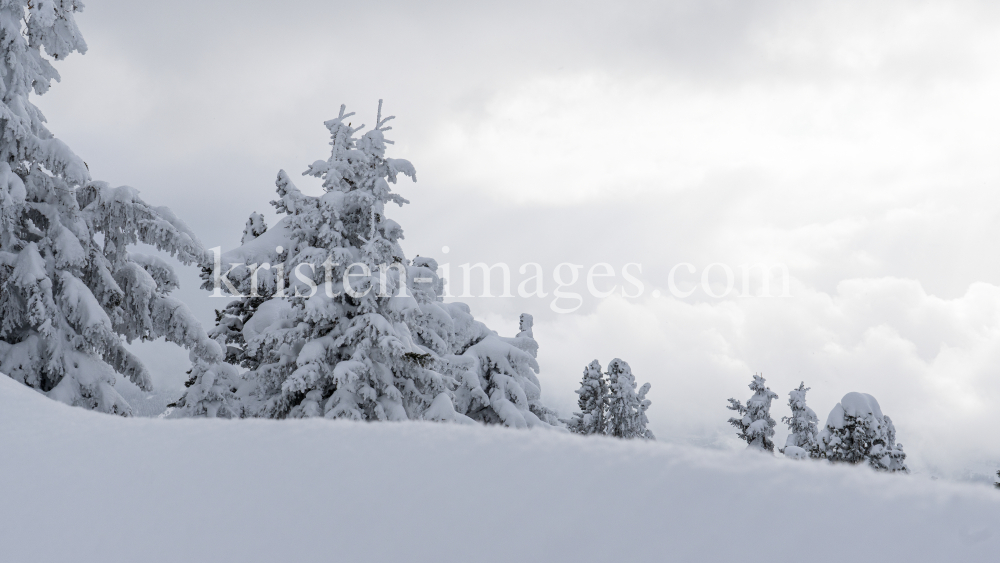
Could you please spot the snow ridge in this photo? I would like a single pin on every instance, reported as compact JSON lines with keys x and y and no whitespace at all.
{"x":428,"y":479}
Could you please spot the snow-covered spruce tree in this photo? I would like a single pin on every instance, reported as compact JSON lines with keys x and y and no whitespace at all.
{"x":70,"y":291}
{"x":255,"y":227}
{"x":893,"y":458}
{"x":801,"y":441}
{"x":997,"y":484}
{"x":755,"y":424}
{"x":857,"y":432}
{"x":626,"y":407}
{"x":211,"y":392}
{"x":496,"y":375}
{"x":641,"y":415}
{"x":230,"y":321}
{"x":594,"y":396}
{"x":359,"y":332}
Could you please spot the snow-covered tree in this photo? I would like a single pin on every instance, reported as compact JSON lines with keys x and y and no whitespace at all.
{"x":593,"y":402}
{"x":71,"y":293}
{"x":802,"y":428}
{"x":525,"y":338}
{"x":255,"y":227}
{"x":641,"y":416}
{"x":228,"y":330}
{"x":496,"y":375}
{"x":626,"y":407}
{"x":857,"y":432}
{"x":211,"y":392}
{"x":893,"y":458}
{"x":997,"y":484}
{"x":360,"y":332}
{"x":755,"y":424}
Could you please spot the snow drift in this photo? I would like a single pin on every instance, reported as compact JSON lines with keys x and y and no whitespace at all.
{"x":81,"y":486}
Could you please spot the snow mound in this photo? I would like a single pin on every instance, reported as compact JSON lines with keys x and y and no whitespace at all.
{"x":82,"y":486}
{"x":795,"y":452}
{"x":859,"y":405}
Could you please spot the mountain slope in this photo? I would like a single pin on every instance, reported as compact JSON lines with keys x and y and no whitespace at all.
{"x":81,"y":486}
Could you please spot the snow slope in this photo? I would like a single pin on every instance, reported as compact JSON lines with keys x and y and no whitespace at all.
{"x":81,"y":486}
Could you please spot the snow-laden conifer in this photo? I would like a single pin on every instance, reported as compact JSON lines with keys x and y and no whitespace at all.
{"x":856,"y":431}
{"x":211,"y":392}
{"x":626,"y":407}
{"x":593,"y":402}
{"x":802,"y":428}
{"x":332,"y":320}
{"x":893,"y":458}
{"x":70,"y":290}
{"x":229,"y":322}
{"x":255,"y":227}
{"x":755,"y":424}
{"x":641,"y":416}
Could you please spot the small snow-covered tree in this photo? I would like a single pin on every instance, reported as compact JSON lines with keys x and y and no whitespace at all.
{"x":643,"y":407}
{"x":230,"y":321}
{"x":755,"y":424}
{"x":997,"y":484}
{"x":593,"y":402}
{"x":358,"y":331}
{"x":211,"y":392}
{"x":626,"y":407}
{"x":255,"y":227}
{"x":497,"y":381}
{"x":802,"y":428}
{"x":71,"y":293}
{"x":892,"y":457}
{"x":856,"y":431}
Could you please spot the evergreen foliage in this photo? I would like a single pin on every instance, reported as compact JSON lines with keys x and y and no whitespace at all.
{"x":857,"y":432}
{"x":801,"y":425}
{"x":626,"y":407}
{"x":755,"y":424}
{"x":360,"y":332}
{"x":254,"y":228}
{"x":593,"y":401}
{"x":211,"y":392}
{"x":71,"y":293}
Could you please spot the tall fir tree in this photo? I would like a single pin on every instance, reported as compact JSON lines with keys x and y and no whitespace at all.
{"x":593,"y":402}
{"x":360,"y":332}
{"x":857,"y":432}
{"x":802,"y":430}
{"x":71,"y":293}
{"x":755,"y":424}
{"x":626,"y":407}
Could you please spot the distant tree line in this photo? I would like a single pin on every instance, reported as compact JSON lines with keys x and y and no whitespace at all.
{"x":855,"y":432}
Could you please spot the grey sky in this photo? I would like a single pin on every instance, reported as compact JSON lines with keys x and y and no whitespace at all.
{"x":854,"y":141}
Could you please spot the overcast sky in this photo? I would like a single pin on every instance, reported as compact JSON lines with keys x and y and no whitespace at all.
{"x":855,"y":142}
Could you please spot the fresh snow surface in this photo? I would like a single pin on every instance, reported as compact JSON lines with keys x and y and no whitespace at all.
{"x":860,"y":404}
{"x":81,"y":486}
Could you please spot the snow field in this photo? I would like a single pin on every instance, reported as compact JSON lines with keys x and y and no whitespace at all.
{"x":81,"y":486}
